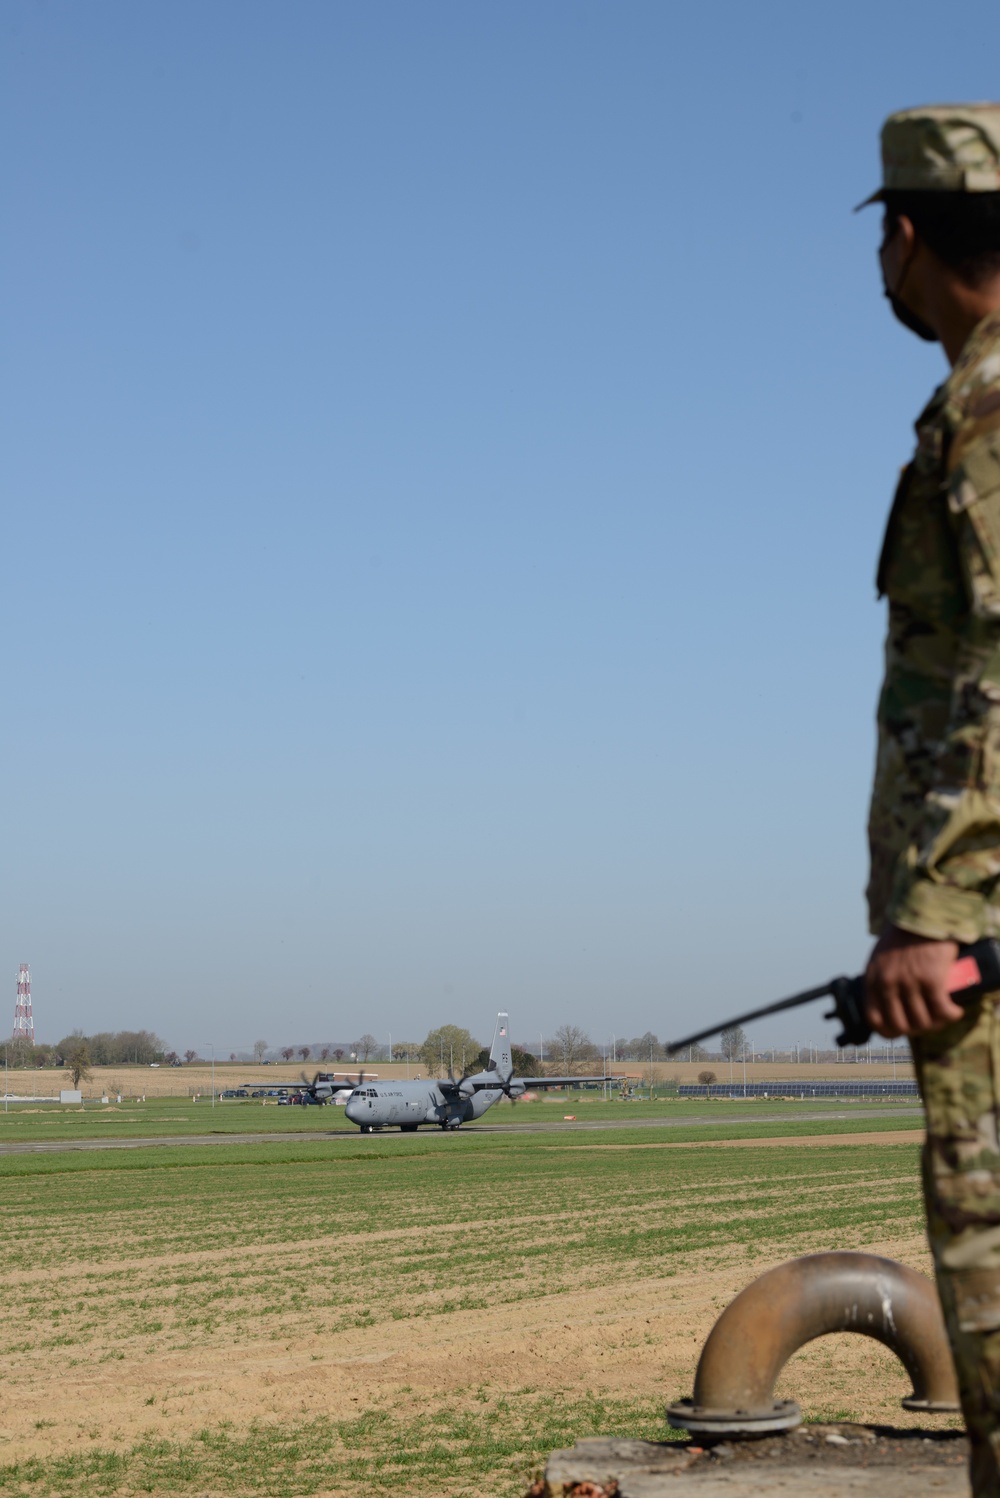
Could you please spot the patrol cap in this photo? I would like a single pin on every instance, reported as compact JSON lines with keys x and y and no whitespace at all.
{"x":940,"y":148}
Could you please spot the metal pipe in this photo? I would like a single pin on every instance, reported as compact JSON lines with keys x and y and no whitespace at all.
{"x":806,"y":1298}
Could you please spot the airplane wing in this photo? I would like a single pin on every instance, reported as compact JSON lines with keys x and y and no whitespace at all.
{"x":531,"y":1084}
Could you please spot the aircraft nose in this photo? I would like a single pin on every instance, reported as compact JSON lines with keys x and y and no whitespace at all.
{"x":351,"y":1110}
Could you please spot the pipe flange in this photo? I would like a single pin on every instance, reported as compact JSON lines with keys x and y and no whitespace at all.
{"x":780,"y":1415}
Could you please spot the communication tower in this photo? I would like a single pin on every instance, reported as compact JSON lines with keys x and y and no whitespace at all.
{"x":24,"y":1025}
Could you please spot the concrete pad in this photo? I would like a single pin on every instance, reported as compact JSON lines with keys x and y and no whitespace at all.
{"x":816,"y":1461}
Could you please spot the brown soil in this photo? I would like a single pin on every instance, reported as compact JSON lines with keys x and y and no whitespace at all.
{"x":631,"y":1338}
{"x":888,"y":1136}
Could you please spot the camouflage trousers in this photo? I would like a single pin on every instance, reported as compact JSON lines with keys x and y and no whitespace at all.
{"x":959,"y":1074}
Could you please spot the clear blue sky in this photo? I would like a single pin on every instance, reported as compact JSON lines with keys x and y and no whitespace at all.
{"x":446,"y":449}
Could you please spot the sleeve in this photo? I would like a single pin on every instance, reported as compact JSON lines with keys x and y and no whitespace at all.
{"x":947,"y":881}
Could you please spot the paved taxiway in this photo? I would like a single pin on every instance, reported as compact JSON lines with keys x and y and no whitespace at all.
{"x":707,"y":1120}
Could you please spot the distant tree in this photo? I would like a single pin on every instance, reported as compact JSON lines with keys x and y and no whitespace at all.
{"x":706,"y":1078}
{"x":287,"y":1052}
{"x":259,"y":1050}
{"x":696,"y":1053}
{"x":40,"y":1055}
{"x":305,"y":1052}
{"x":364,"y":1046}
{"x":232,"y":1055}
{"x":18,"y":1051}
{"x":733,"y":1043}
{"x":125,"y":1048}
{"x":338,"y":1054}
{"x":190,"y":1056}
{"x":324,"y":1054}
{"x":647,"y":1045}
{"x":449,"y":1046}
{"x":572,"y":1045}
{"x":524,"y":1063}
{"x":171,"y":1058}
{"x":76,"y":1060}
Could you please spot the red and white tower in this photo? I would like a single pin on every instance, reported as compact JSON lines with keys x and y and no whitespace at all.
{"x":24,"y":1025}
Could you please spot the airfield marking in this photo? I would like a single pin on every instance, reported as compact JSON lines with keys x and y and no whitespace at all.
{"x":56,"y":1146}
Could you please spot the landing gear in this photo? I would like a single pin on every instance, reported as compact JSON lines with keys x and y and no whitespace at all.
{"x":367,"y":1128}
{"x":408,"y":1128}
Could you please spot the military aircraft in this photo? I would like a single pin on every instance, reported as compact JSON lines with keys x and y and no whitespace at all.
{"x":448,"y":1103}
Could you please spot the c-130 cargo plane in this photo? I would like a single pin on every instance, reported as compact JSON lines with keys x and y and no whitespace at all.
{"x":448,"y":1103}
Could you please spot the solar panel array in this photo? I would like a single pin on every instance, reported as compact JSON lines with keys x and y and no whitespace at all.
{"x":800,"y":1089}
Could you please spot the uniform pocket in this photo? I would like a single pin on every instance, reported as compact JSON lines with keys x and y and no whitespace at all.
{"x":974,"y":501}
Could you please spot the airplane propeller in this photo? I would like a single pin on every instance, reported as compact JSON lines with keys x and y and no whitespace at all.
{"x":311,"y":1087}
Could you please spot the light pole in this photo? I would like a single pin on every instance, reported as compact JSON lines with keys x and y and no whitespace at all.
{"x":390,"y":1047}
{"x":212,"y":1044}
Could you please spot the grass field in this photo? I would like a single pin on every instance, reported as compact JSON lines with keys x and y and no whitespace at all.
{"x":179,"y":1116}
{"x":406,"y":1314}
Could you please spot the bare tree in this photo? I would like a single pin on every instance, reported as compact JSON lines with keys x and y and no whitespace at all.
{"x":572,"y":1044}
{"x":304,"y":1052}
{"x":232,"y":1055}
{"x":706,"y":1078}
{"x":76,"y":1058}
{"x":338,"y":1054}
{"x":647,"y":1046}
{"x":190,"y":1056}
{"x":364,"y":1046}
{"x":287,"y":1052}
{"x":733,"y":1043}
{"x":324,"y":1053}
{"x":259,"y":1050}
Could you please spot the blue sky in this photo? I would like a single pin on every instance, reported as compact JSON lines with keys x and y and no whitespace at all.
{"x":446,"y":450}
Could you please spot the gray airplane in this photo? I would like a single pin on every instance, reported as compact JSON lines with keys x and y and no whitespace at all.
{"x":449,"y":1103}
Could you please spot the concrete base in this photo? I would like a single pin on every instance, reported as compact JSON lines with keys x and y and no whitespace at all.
{"x":816,"y":1461}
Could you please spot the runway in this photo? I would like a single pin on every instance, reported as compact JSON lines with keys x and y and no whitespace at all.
{"x":708,"y":1120}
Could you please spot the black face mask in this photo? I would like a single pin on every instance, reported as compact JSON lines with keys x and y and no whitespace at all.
{"x":902,"y":312}
{"x":910,"y":319}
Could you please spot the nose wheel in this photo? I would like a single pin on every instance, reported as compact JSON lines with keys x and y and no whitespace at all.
{"x":367,"y":1128}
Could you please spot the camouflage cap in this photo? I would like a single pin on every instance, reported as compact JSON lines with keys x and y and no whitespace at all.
{"x":940,"y":148}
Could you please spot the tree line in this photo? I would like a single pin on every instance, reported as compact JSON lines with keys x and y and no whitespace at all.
{"x":446,"y":1048}
{"x":106,"y":1048}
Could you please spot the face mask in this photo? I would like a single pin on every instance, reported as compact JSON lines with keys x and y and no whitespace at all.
{"x":902,"y":312}
{"x":910,"y":319}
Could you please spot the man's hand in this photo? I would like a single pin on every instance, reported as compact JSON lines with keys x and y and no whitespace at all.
{"x":906,"y":984}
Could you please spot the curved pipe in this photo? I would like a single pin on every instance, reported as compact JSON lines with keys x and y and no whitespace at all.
{"x":807,"y":1298}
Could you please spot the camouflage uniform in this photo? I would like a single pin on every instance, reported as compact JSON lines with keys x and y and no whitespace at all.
{"x":934,"y":828}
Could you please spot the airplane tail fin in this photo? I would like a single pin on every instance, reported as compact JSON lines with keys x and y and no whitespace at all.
{"x":500,"y":1061}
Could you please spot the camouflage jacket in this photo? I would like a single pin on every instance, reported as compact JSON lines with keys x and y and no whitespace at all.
{"x":934,"y":829}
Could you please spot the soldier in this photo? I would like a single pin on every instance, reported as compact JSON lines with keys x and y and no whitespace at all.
{"x":935,"y":816}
